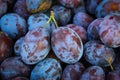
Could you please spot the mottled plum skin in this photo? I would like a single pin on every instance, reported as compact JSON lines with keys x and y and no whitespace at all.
{"x":93,"y":73}
{"x":93,"y":29}
{"x":17,"y":46}
{"x":109,"y":30}
{"x":107,"y":7}
{"x":13,"y":67}
{"x":67,"y":45}
{"x":14,"y":25}
{"x":97,"y":53}
{"x":20,"y":78}
{"x":73,"y":72}
{"x":115,"y":75}
{"x":80,"y":31}
{"x":3,"y":7}
{"x":71,"y":3}
{"x":20,"y":8}
{"x":39,"y":20}
{"x":82,"y":19}
{"x":34,"y":6}
{"x":35,"y":46}
{"x":91,"y":5}
{"x":48,"y":69}
{"x":6,"y":46}
{"x":62,"y":14}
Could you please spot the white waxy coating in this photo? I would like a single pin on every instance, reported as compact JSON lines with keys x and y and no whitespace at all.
{"x":49,"y":69}
{"x":110,"y":30}
{"x":67,"y":45}
{"x":97,"y":53}
{"x":35,"y":46}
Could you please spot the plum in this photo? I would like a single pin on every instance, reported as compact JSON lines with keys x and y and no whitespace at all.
{"x":82,"y":19}
{"x":93,"y":29}
{"x":6,"y":46}
{"x":17,"y":46}
{"x":14,"y":25}
{"x":47,"y":69}
{"x":109,"y":30}
{"x":91,"y":5}
{"x":20,"y":8}
{"x":13,"y":67}
{"x":67,"y":45}
{"x":62,"y":14}
{"x":73,"y":72}
{"x":97,"y":53}
{"x":34,"y":6}
{"x":107,"y":7}
{"x":80,"y":31}
{"x":115,"y":75}
{"x":3,"y":7}
{"x":35,"y":46}
{"x":93,"y":73}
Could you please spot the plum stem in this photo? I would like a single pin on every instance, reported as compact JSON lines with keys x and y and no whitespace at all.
{"x":109,"y":62}
{"x":51,"y":18}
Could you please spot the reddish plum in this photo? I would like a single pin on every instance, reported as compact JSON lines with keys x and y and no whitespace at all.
{"x":6,"y":46}
{"x":73,"y":72}
{"x":115,"y":75}
{"x":67,"y":45}
{"x":109,"y":30}
{"x":98,"y":54}
{"x":107,"y":7}
{"x":93,"y":73}
{"x":35,"y":46}
{"x":80,"y":31}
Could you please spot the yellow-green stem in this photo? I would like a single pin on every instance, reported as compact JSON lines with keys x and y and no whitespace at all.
{"x":109,"y":62}
{"x":51,"y":18}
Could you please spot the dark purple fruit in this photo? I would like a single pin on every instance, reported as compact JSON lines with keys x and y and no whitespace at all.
{"x":13,"y":67}
{"x":93,"y":73}
{"x":6,"y":46}
{"x":20,"y":8}
{"x":82,"y":19}
{"x":73,"y":72}
{"x":98,"y":54}
{"x":115,"y":75}
{"x":62,"y":14}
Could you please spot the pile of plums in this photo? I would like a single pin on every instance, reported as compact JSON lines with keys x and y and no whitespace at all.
{"x":59,"y":39}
